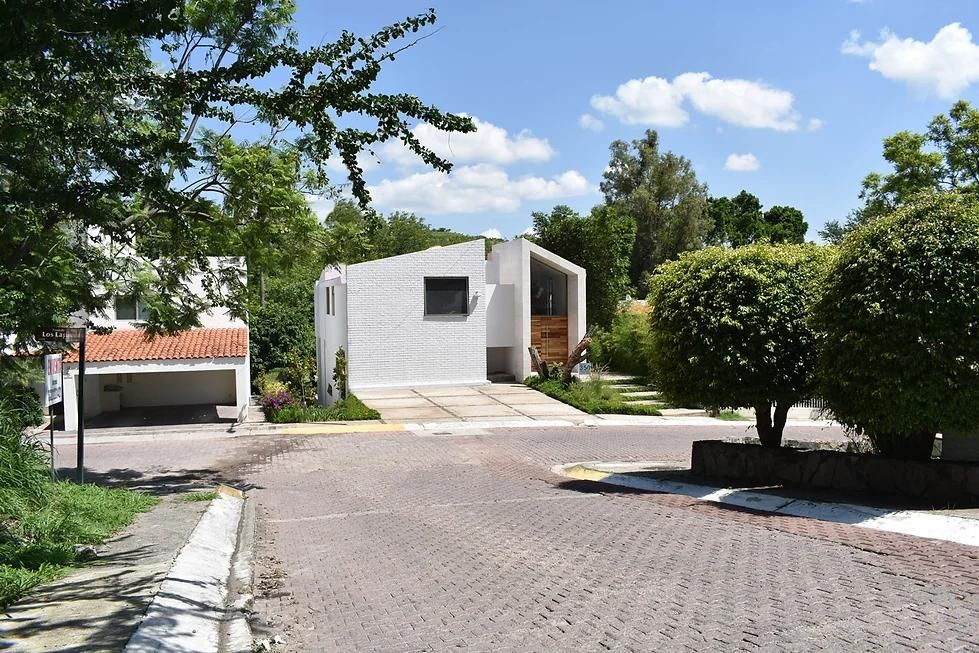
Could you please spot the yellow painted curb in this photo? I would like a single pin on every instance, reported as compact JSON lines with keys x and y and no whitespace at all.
{"x":230,"y":491}
{"x":328,"y":429}
{"x":583,"y":473}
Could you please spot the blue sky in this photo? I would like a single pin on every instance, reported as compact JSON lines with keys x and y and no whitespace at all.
{"x":785,"y":82}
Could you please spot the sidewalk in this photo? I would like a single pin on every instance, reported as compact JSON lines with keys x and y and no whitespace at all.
{"x":98,"y":607}
{"x":253,"y":429}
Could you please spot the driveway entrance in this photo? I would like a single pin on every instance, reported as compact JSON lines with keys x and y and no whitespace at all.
{"x":467,"y":403}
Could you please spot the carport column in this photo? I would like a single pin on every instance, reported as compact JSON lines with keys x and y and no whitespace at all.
{"x":243,"y":388}
{"x":71,"y":399}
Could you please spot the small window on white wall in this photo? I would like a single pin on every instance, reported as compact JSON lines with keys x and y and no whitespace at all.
{"x":333,"y":298}
{"x":328,"y":301}
{"x":446,"y":295}
{"x":130,"y":308}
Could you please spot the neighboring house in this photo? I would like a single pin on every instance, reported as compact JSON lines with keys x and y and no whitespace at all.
{"x":446,"y":315}
{"x":124,"y":370}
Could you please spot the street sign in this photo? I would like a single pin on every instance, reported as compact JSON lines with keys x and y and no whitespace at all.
{"x":71,"y":335}
{"x":52,"y":380}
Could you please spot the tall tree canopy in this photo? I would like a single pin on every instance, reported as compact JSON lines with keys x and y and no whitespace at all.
{"x":945,"y":158}
{"x":661,"y":193}
{"x":602,"y":243}
{"x":738,"y":221}
{"x":105,"y":152}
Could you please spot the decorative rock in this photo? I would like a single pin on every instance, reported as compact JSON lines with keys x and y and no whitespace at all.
{"x":85,"y":553}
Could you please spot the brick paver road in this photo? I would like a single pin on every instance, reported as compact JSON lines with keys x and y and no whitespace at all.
{"x":400,"y":542}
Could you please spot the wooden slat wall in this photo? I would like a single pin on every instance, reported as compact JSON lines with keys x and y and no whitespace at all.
{"x":549,"y":333}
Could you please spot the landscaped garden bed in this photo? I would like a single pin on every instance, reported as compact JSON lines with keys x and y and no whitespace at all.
{"x":594,"y":396}
{"x":347,"y":409}
{"x":934,"y":482}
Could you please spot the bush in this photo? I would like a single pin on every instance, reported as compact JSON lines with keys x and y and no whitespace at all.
{"x":899,"y":313}
{"x":729,"y":329}
{"x":593,"y":396}
{"x":348,"y":409}
{"x":277,"y":400}
{"x":624,"y":347}
{"x":269,"y":383}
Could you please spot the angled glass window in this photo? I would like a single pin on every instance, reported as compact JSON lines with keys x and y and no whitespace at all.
{"x":446,"y":295}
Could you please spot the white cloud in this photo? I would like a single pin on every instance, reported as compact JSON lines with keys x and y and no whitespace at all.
{"x":814,"y":124}
{"x":320,"y":205}
{"x":529,"y":231}
{"x":590,"y":122}
{"x":488,"y":144}
{"x":742,"y":162}
{"x":492,"y":233}
{"x":650,"y":101}
{"x":366,"y":160}
{"x":657,"y":101}
{"x":473,"y":189}
{"x":945,"y":66}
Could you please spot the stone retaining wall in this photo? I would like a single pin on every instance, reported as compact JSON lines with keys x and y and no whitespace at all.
{"x":931,"y":482}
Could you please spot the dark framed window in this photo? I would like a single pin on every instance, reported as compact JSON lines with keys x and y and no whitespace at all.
{"x":446,"y":295}
{"x":130,"y":308}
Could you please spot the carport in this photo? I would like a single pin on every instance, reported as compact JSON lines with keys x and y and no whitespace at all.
{"x":194,"y":377}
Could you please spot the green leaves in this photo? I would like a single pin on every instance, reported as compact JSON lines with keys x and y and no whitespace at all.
{"x":104,"y":150}
{"x":729,"y":326}
{"x":900,"y":314}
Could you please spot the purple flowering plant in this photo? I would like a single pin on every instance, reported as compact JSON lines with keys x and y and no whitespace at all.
{"x":276,"y":401}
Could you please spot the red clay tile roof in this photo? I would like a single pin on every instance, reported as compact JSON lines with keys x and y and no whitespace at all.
{"x":132,"y":345}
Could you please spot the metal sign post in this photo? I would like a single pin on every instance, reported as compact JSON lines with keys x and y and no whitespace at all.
{"x":72,"y":335}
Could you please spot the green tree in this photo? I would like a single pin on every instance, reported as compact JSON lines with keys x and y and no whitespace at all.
{"x":600,"y":242}
{"x":785,"y":224}
{"x":945,"y":158}
{"x":661,"y":193}
{"x":729,"y":329}
{"x":105,"y":152}
{"x":900,"y":345}
{"x":738,"y":221}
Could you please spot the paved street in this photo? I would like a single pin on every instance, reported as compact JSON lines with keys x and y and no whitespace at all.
{"x":409,"y":542}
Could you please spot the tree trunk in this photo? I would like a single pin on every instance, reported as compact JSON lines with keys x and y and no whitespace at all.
{"x":576,"y":356}
{"x":538,"y":363}
{"x":767,"y":433}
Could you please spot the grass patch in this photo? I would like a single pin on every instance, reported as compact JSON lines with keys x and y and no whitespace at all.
{"x":192,"y":497}
{"x":37,"y":537}
{"x":593,"y":396}
{"x":732,"y":416}
{"x":350,"y":408}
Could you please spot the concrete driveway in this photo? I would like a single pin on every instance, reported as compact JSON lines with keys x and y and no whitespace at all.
{"x":499,"y":402}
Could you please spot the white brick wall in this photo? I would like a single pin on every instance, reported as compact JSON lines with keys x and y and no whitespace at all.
{"x":390,"y":340}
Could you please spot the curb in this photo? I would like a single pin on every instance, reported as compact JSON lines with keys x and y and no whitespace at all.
{"x":188,"y":611}
{"x":237,"y":636}
{"x":918,"y":523}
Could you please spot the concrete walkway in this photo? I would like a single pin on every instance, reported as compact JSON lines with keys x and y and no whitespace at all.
{"x":97,"y":608}
{"x":498,"y":402}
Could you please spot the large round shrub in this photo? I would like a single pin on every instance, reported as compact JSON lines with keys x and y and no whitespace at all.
{"x":730,"y":329}
{"x":900,"y":312}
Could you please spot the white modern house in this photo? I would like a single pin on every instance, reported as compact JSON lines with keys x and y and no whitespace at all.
{"x":206,"y":366}
{"x":446,"y":315}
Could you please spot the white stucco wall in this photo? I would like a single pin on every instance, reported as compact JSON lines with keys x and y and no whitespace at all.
{"x":391,"y":342}
{"x":331,"y":329}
